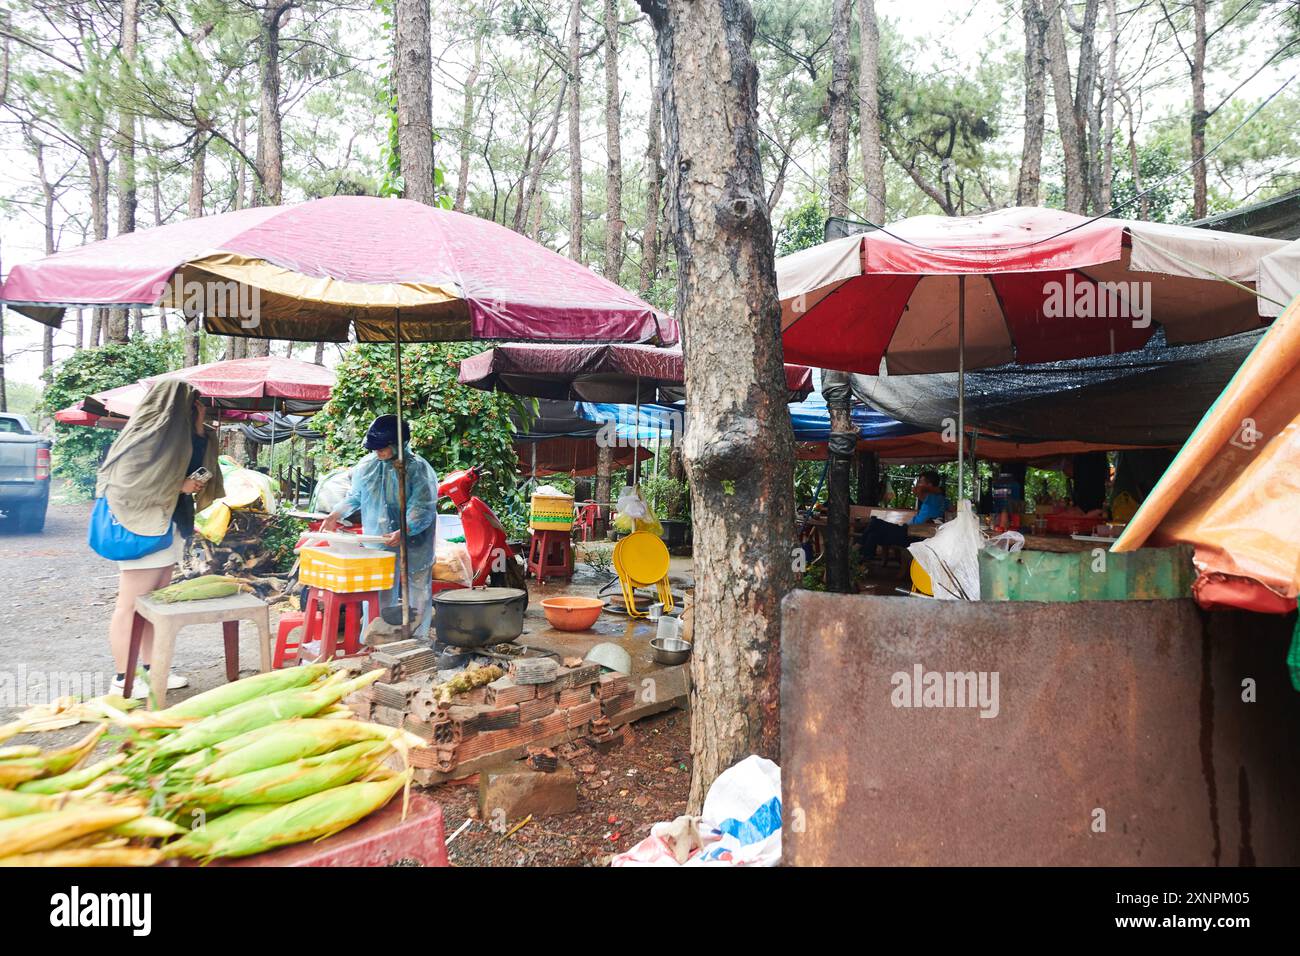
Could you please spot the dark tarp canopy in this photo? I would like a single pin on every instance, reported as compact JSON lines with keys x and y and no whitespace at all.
{"x":1152,"y":396}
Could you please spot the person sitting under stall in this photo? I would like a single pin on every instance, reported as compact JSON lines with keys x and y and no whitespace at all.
{"x":932,"y":504}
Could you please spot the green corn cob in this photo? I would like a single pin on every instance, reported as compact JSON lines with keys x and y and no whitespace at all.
{"x":290,"y":781}
{"x":249,"y":688}
{"x":197,"y":589}
{"x":73,"y":779}
{"x":198,"y":841}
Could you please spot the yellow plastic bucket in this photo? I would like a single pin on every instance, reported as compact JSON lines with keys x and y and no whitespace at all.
{"x":551,"y":513}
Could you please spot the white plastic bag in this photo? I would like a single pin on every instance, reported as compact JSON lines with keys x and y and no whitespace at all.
{"x":951,"y":557}
{"x":451,"y":563}
{"x":1008,"y":542}
{"x":740,"y":825}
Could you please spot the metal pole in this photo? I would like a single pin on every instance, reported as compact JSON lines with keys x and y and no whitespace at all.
{"x":636,"y":436}
{"x":961,"y":388}
{"x":400,"y":464}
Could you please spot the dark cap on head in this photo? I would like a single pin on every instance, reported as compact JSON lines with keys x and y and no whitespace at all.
{"x":383,"y":432}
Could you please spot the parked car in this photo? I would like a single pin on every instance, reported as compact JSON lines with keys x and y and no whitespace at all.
{"x":24,"y":474}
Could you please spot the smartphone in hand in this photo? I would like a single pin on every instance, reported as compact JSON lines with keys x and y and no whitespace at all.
{"x":201,"y":475}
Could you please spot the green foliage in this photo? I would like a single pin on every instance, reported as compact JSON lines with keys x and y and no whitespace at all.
{"x":670,"y":497}
{"x":802,"y":227}
{"x":78,"y":450}
{"x":452,"y":426}
{"x":808,"y":485}
{"x":282,"y":533}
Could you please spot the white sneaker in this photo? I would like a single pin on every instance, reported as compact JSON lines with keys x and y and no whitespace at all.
{"x":139,"y":688}
{"x":177,"y":681}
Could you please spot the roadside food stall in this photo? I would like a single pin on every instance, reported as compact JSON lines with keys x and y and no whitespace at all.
{"x":1085,"y":709}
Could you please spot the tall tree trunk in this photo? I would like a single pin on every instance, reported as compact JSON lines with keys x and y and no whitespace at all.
{"x":1031,"y":154}
{"x":873,"y":156}
{"x":533,"y":226}
{"x":575,"y":131}
{"x":613,"y":147}
{"x":47,"y":222}
{"x":467,"y":125}
{"x":270,"y":147}
{"x":240,"y":168}
{"x":198,"y":183}
{"x":1200,"y":191}
{"x":1107,"y":172}
{"x":1087,"y":115}
{"x":1058,"y":62}
{"x":319,"y":357}
{"x":119,"y":320}
{"x":654,"y":183}
{"x":838,"y":103}
{"x":415,"y":100}
{"x":739,"y":448}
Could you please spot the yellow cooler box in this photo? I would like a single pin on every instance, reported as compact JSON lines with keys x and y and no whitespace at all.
{"x":551,"y":513}
{"x":347,"y":569}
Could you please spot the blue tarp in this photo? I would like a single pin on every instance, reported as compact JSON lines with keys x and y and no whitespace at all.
{"x":811,"y":420}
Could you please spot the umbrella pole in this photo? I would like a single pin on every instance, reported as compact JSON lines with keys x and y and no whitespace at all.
{"x":961,"y":388}
{"x":636,"y":436}
{"x":402,"y":565}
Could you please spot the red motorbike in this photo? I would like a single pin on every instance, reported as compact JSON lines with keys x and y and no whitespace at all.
{"x":491,"y":557}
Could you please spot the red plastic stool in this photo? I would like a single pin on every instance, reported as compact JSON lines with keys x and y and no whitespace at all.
{"x":286,"y":652}
{"x":550,"y":554}
{"x":322,"y":609}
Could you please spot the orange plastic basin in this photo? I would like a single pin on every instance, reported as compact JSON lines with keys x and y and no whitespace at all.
{"x":572,"y":613}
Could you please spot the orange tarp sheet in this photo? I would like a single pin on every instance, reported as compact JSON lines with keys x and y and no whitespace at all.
{"x":1233,"y":492}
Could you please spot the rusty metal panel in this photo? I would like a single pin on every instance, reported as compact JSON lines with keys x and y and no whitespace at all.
{"x":1121,"y":736}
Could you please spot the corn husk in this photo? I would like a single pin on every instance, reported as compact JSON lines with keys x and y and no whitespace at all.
{"x":203,"y":588}
{"x":249,"y":688}
{"x":199,"y":840}
{"x":294,"y":740}
{"x":12,"y":753}
{"x":45,"y":831}
{"x":15,"y":804}
{"x":52,"y":762}
{"x":314,"y":817}
{"x":261,"y":712}
{"x":148,"y":828}
{"x":89,"y":856}
{"x":287,"y":782}
{"x":73,"y":779}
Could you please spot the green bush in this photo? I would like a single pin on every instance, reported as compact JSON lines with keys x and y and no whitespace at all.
{"x":78,"y":450}
{"x":670,"y":498}
{"x":452,"y":426}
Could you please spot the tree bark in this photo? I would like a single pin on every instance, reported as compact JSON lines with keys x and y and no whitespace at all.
{"x":1067,"y":122}
{"x":1029,"y":183}
{"x":1200,"y":191}
{"x":873,"y":157}
{"x":467,"y":126}
{"x":533,"y":224}
{"x":415,"y":100}
{"x":1107,"y":172}
{"x":604,"y":469}
{"x":738,"y":449}
{"x":614,"y":150}
{"x":654,"y":184}
{"x":575,"y":131}
{"x":270,"y":147}
{"x":1087,"y":117}
{"x":119,"y":320}
{"x":838,"y":107}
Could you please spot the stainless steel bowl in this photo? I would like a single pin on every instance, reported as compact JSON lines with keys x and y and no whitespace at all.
{"x":670,"y":650}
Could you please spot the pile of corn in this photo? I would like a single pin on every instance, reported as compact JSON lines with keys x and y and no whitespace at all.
{"x":263,"y":762}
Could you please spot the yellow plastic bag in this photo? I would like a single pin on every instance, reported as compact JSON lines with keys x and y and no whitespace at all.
{"x":635,"y":515}
{"x":213,"y":521}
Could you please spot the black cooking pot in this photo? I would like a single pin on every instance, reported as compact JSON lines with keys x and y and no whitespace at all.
{"x":477,"y":617}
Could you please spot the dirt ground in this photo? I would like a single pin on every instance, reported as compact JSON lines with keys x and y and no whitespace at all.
{"x":54,"y":641}
{"x":620,"y":796}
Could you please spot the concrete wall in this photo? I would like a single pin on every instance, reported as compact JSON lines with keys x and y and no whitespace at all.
{"x":1133,"y":709}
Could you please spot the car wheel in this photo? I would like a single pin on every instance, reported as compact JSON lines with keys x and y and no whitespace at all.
{"x":31,"y":518}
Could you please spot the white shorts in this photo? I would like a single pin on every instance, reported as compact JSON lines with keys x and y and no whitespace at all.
{"x":174,"y":553}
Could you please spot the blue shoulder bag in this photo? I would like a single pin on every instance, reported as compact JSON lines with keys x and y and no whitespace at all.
{"x":110,"y":539}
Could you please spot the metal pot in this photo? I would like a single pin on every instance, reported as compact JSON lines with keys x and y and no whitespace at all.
{"x":476,"y":617}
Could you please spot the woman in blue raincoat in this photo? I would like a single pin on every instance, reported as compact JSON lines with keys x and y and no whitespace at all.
{"x":374,"y":494}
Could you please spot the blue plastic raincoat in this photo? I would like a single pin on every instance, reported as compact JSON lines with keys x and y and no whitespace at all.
{"x":374,"y":494}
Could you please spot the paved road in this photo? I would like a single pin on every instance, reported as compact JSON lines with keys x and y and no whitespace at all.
{"x":56,"y":598}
